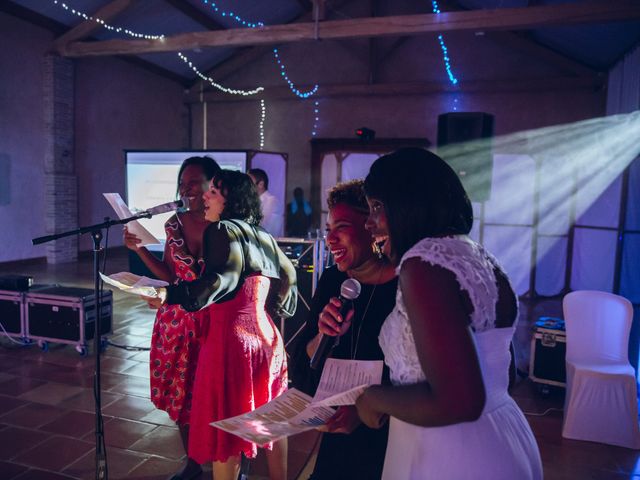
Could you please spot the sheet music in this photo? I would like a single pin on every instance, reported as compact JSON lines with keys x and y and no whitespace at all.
{"x":123,"y":211}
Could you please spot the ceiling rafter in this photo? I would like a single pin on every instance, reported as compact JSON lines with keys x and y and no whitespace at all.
{"x":520,"y":18}
{"x":106,"y":13}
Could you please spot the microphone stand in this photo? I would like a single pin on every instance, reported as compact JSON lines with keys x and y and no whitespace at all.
{"x":96,"y":236}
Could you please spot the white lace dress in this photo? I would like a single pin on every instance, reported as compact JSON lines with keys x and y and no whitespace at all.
{"x":500,"y":444}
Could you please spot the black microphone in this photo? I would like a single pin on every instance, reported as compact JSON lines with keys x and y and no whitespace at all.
{"x":169,"y":207}
{"x":349,"y":291}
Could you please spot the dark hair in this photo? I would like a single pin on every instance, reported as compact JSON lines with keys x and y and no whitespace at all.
{"x":261,"y":176}
{"x":209,"y":167}
{"x":241,"y":197}
{"x":422,"y":197}
{"x":350,"y":193}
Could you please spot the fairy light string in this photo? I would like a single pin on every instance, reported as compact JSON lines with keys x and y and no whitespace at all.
{"x":222,"y":88}
{"x":445,"y":53}
{"x":233,"y":16}
{"x":105,"y":24}
{"x":263,"y":115}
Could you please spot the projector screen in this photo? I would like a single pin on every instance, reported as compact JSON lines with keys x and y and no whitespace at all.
{"x":152,"y":179}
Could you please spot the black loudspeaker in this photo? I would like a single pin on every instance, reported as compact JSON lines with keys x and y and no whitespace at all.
{"x":472,"y":163}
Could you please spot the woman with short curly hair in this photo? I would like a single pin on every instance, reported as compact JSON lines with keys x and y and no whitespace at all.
{"x":242,"y":363}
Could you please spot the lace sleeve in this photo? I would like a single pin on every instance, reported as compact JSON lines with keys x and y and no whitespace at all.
{"x":473,"y":270}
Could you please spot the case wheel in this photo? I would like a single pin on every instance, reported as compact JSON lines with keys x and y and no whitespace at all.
{"x":81,"y":350}
{"x":44,"y":345}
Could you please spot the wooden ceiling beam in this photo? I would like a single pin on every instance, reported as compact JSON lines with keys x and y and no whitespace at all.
{"x":107,"y":13}
{"x":280,"y":93}
{"x":521,"y":18}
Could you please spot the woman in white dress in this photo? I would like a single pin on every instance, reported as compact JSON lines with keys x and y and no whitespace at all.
{"x":447,"y":340}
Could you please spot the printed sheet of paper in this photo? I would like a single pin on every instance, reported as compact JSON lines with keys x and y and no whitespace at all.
{"x":343,"y":381}
{"x":289,"y":414}
{"x":122,"y":211}
{"x":134,"y":284}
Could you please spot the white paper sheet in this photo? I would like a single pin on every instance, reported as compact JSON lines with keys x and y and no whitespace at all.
{"x":342,"y":382}
{"x":289,"y":414}
{"x":123,"y":211}
{"x":134,"y":284}
{"x":342,"y":379}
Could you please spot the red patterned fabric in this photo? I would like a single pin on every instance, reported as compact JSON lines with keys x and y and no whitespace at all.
{"x":242,"y":365}
{"x":174,"y":342}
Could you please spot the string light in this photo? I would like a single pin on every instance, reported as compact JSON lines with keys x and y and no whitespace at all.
{"x":443,"y":47}
{"x":316,"y":118}
{"x":232,"y":16}
{"x":106,"y":25}
{"x":217,"y":85}
{"x":291,"y":84}
{"x":263,"y":116}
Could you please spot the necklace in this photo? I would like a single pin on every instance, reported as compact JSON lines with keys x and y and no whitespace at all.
{"x":354,"y":348}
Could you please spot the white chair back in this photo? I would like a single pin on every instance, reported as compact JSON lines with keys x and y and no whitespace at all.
{"x":598,"y":326}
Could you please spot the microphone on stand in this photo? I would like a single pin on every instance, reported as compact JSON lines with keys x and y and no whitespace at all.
{"x":349,"y":291}
{"x":183,"y":204}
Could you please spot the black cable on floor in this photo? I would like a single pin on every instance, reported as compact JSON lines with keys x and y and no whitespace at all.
{"x":129,"y":348}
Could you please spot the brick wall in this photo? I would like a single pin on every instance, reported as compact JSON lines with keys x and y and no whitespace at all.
{"x":61,"y":181}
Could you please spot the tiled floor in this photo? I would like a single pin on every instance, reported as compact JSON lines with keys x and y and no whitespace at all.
{"x":47,"y":406}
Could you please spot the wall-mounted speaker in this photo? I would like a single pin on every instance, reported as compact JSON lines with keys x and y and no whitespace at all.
{"x":472,"y":163}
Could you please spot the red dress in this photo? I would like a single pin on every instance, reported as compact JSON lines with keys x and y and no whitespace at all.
{"x":242,"y":365}
{"x":174,"y":342}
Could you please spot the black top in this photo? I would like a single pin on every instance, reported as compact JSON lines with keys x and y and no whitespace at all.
{"x":361,"y":454}
{"x":233,"y":249}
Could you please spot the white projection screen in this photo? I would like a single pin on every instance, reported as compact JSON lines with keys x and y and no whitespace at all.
{"x":151,"y":178}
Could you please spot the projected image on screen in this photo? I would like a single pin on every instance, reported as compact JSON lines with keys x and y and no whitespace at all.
{"x":152,"y":179}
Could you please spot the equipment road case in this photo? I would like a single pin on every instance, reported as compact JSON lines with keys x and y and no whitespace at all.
{"x":12,"y":314}
{"x":66,"y":315}
{"x":548,"y":350}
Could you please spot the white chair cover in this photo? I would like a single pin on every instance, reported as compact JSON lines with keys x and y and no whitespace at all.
{"x":601,"y":403}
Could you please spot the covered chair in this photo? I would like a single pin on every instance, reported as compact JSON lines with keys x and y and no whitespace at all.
{"x":601,"y":403}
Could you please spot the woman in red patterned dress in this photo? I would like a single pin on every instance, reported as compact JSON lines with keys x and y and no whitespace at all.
{"x":174,"y":342}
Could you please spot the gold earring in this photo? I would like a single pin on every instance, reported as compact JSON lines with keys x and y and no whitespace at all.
{"x":377,"y":250}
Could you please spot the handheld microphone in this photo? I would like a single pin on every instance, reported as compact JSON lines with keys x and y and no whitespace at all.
{"x":183,"y":203}
{"x":349,"y":291}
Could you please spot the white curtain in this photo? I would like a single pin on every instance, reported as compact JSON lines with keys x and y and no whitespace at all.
{"x":623,"y":96}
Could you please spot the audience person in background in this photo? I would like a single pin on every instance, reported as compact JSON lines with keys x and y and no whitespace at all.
{"x":174,"y":342}
{"x":298,"y":215}
{"x":242,"y":363}
{"x":272,"y":214}
{"x":349,"y":449}
{"x":447,"y":340}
